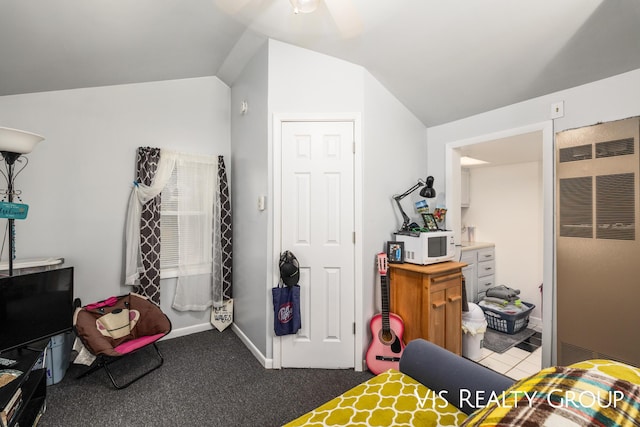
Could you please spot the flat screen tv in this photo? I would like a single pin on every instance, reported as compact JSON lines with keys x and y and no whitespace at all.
{"x":35,"y":306}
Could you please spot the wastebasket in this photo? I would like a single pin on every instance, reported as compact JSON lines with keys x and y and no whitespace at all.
{"x":474,"y":325}
{"x":58,"y":357}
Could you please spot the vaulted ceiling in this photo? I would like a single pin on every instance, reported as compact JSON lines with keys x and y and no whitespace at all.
{"x":445,"y":60}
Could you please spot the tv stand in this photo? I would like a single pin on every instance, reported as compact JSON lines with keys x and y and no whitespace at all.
{"x":32,"y":383}
{"x":7,"y":363}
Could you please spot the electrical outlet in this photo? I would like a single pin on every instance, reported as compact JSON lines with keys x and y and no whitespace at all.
{"x":557,"y":110}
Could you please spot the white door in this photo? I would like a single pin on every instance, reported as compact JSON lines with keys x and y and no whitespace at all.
{"x":317,"y":226}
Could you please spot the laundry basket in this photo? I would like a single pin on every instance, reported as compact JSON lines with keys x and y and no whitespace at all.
{"x":506,"y":322}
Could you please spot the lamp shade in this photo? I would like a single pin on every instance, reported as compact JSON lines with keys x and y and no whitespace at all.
{"x":428,"y":191}
{"x":304,"y":6}
{"x":18,"y":141}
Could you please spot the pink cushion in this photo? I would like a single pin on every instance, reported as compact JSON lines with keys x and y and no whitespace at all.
{"x":109,"y":302}
{"x":132,"y":345}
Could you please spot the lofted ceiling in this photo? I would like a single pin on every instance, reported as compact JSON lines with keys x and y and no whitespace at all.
{"x":523,"y":148}
{"x":444,"y":60}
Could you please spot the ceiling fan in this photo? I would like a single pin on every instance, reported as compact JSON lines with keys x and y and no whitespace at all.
{"x":269,"y":16}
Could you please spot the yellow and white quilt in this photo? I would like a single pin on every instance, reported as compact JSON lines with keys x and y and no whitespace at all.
{"x":389,"y":399}
{"x":590,"y":393}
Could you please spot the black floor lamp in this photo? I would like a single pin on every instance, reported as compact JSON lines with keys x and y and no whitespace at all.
{"x":14,"y":144}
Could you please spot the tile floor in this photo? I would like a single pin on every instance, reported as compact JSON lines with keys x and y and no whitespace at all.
{"x":515,"y":362}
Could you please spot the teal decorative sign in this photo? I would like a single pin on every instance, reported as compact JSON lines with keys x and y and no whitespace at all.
{"x":13,"y":210}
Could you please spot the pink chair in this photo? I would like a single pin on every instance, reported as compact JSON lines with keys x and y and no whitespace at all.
{"x":117,"y":327}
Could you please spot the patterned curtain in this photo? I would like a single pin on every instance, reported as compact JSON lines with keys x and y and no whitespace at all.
{"x":223,"y":290}
{"x":146,"y":167}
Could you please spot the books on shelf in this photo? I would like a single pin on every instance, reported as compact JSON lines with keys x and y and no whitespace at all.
{"x":11,"y":408}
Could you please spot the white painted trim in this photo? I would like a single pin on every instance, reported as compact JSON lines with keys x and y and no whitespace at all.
{"x":452,"y":175}
{"x":358,"y":194}
{"x":188,"y":330}
{"x":264,"y":361}
{"x":275,"y":180}
{"x":276,"y":247}
{"x":549,"y":355}
{"x":535,"y":323}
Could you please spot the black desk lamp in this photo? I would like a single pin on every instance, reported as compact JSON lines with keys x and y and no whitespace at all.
{"x":428,"y":191}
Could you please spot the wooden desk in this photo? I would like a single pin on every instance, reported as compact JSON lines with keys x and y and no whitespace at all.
{"x":428,"y":298}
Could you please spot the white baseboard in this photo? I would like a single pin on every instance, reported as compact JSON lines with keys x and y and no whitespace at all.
{"x":188,"y":330}
{"x":535,"y":323}
{"x":265,"y":362}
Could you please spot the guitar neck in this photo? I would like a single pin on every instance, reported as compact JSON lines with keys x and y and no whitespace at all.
{"x":384,"y":296}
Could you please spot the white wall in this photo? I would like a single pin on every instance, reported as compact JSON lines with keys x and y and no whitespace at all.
{"x":250,"y":180}
{"x":78,"y":180}
{"x":394,"y":152}
{"x":303,"y":82}
{"x":508,"y":212}
{"x":604,"y":100}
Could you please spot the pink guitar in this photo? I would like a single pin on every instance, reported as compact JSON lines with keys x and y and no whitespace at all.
{"x":386,"y":328}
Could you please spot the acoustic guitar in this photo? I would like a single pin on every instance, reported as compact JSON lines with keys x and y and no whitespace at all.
{"x":386,"y":329}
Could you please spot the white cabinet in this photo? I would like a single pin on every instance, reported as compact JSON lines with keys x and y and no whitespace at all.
{"x":465,"y":198}
{"x":470,"y":273}
{"x":486,"y":271}
{"x":479,"y":274}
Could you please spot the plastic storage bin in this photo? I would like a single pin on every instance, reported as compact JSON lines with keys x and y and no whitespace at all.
{"x":58,"y":357}
{"x":474,"y":325}
{"x":505,"y":322}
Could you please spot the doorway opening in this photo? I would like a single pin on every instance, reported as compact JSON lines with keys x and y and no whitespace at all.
{"x":335,"y":330}
{"x":510,"y":203}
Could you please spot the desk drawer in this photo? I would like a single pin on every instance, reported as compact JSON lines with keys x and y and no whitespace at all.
{"x":486,"y":254}
{"x":486,"y":283}
{"x":486,"y":268}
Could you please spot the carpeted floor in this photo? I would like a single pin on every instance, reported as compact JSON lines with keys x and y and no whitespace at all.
{"x":208,"y":379}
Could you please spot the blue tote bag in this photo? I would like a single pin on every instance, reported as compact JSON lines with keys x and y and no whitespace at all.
{"x":286,"y":309}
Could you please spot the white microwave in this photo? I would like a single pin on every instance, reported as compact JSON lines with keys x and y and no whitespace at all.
{"x":428,"y":247}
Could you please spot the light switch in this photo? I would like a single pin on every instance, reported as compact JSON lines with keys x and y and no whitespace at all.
{"x":260,"y":203}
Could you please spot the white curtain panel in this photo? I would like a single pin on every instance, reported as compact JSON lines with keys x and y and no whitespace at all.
{"x":196,"y":177}
{"x":141,"y":194}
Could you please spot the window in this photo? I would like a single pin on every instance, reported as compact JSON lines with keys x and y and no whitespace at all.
{"x":186,"y":217}
{"x":169,"y":224}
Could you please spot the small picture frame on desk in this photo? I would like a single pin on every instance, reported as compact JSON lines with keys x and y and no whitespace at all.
{"x":430,"y":222}
{"x":395,"y":252}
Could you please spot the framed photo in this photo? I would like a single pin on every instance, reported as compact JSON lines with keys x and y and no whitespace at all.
{"x":395,"y":252}
{"x":430,"y":222}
